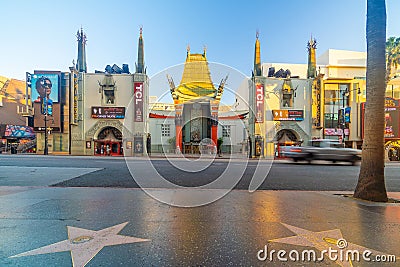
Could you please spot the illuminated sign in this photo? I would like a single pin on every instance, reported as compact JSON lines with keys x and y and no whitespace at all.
{"x":75,"y":83}
{"x":391,"y":102}
{"x":138,"y":101}
{"x":259,"y":103}
{"x":288,"y":115}
{"x":335,"y":132}
{"x":392,"y":122}
{"x":108,"y":112}
{"x":392,"y":118}
{"x":316,"y":109}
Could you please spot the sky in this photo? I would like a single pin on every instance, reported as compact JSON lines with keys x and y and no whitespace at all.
{"x":41,"y":35}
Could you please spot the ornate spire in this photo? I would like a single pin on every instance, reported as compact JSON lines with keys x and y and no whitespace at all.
{"x":257,"y":57}
{"x":140,"y":63}
{"x":81,"y":61}
{"x":187,"y":50}
{"x":312,"y":62}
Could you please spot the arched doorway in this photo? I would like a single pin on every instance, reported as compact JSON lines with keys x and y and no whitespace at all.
{"x":108,"y":142}
{"x":284,"y":138}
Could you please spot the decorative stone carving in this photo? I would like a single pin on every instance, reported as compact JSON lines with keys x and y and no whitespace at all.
{"x":98,"y":126}
{"x":294,"y":127}
{"x":76,"y":136}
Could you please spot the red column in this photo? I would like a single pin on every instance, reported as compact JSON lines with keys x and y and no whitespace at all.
{"x":214,"y":134}
{"x":178,"y":139}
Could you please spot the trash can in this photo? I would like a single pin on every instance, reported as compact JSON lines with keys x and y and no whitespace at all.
{"x":13,"y":150}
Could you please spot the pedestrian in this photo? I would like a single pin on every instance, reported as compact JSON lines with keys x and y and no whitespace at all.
{"x":148,"y":144}
{"x":219,"y":145}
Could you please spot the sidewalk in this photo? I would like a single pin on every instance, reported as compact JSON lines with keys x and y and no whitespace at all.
{"x":50,"y":226}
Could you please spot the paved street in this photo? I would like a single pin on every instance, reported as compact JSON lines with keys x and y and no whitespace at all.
{"x":113,"y":172}
{"x":85,"y":211}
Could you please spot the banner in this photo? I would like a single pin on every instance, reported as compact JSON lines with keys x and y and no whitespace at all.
{"x":138,"y":145}
{"x":138,"y":101}
{"x":178,"y":114}
{"x":214,"y":112}
{"x":259,"y":103}
{"x":46,"y":106}
{"x":45,"y":84}
{"x":347,"y":112}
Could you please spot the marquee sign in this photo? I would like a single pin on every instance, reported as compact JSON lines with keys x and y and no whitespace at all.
{"x":108,"y":112}
{"x":288,"y":115}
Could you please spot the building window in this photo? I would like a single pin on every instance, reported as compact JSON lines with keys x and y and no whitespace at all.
{"x":335,"y":100}
{"x":226,"y":131}
{"x":165,"y":129}
{"x":109,"y":97}
{"x":287,"y":93}
{"x":107,"y":89}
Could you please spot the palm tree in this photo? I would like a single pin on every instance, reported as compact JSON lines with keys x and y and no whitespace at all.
{"x":392,"y":56}
{"x":371,"y":180}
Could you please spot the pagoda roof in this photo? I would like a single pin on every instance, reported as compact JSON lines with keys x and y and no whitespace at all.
{"x":196,"y":80}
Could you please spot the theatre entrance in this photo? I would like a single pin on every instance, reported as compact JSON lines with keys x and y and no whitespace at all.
{"x":285,"y":138}
{"x":108,"y":143}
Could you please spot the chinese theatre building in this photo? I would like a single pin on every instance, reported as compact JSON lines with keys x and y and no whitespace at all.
{"x":196,"y":102}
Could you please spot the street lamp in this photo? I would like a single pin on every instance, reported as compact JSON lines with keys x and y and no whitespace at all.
{"x":46,"y":106}
{"x":345,"y":93}
{"x":46,"y":152}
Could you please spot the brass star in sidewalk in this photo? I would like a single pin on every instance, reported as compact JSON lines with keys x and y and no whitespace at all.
{"x":84,"y":244}
{"x":324,"y":240}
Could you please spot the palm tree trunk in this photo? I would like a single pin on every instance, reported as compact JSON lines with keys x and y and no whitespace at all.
{"x":371,"y":180}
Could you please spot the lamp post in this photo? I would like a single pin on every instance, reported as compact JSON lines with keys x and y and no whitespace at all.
{"x":343,"y":122}
{"x":346,"y":93}
{"x":46,"y":150}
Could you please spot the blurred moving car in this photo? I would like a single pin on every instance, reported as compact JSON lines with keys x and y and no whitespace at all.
{"x":322,"y":149}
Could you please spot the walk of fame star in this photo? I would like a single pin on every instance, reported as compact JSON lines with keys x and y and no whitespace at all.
{"x":84,"y":244}
{"x":322,"y":241}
